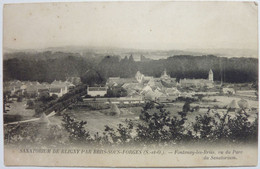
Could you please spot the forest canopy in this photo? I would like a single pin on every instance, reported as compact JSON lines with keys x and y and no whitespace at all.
{"x":48,"y":66}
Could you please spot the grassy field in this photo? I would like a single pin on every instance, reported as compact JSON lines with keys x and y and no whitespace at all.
{"x":225,"y":100}
{"x":96,"y":120}
{"x":19,"y":108}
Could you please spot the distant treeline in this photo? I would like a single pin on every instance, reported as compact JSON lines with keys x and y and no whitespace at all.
{"x":48,"y":66}
{"x":234,"y":70}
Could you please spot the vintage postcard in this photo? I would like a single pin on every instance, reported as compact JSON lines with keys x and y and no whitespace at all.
{"x":130,"y":84}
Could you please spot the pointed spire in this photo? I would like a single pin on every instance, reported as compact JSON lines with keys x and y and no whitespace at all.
{"x":210,"y":71}
{"x":211,"y":78}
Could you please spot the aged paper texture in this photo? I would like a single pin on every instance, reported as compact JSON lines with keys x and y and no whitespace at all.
{"x":130,"y":84}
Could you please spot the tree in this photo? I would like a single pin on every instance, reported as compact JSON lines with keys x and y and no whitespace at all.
{"x":54,"y":96}
{"x":93,"y":77}
{"x":76,"y":129}
{"x":186,"y":107}
{"x":44,"y":97}
{"x":116,"y":91}
{"x":30,"y":104}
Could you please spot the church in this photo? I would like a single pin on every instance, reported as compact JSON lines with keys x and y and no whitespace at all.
{"x":199,"y":82}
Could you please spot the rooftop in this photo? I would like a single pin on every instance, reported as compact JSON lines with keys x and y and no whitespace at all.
{"x":55,"y":90}
{"x":97,"y":88}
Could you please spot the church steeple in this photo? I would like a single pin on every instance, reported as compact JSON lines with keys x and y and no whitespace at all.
{"x":164,"y":72}
{"x":164,"y":75}
{"x":211,"y":78}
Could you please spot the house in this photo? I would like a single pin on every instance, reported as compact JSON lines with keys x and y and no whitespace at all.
{"x":57,"y":91}
{"x":112,"y":81}
{"x":196,"y":83}
{"x":43,"y":88}
{"x":146,"y":89}
{"x":64,"y":86}
{"x":15,"y":90}
{"x":151,"y":82}
{"x":23,"y":88}
{"x":158,"y":93}
{"x":97,"y":91}
{"x":14,"y":87}
{"x":150,"y":95}
{"x":132,"y":88}
{"x":61,"y":84}
{"x":32,"y":91}
{"x":133,"y":93}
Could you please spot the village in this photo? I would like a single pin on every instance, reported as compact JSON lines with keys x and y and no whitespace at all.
{"x":161,"y":89}
{"x":125,"y":96}
{"x":130,"y":84}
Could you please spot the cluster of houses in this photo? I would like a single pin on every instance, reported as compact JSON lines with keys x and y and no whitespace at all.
{"x":34,"y":88}
{"x":161,"y":89}
{"x":164,"y":88}
{"x":165,"y":80}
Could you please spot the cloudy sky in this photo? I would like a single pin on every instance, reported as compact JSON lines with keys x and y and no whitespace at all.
{"x":142,"y":25}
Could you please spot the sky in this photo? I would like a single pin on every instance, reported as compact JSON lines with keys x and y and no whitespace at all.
{"x":139,"y":25}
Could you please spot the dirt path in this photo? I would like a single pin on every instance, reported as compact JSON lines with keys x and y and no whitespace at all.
{"x":30,"y":120}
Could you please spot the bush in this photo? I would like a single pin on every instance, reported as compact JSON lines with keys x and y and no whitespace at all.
{"x":30,"y":104}
{"x":31,"y":133}
{"x":240,"y":129}
{"x":122,"y":135}
{"x":76,"y":130}
{"x":116,"y":91}
{"x":159,"y":127}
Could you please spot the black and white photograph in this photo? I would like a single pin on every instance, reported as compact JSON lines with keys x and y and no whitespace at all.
{"x":130,"y":84}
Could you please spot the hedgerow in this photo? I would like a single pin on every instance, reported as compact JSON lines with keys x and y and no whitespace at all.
{"x":156,"y":126}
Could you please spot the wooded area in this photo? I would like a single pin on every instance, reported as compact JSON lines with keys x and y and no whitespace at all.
{"x":48,"y":66}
